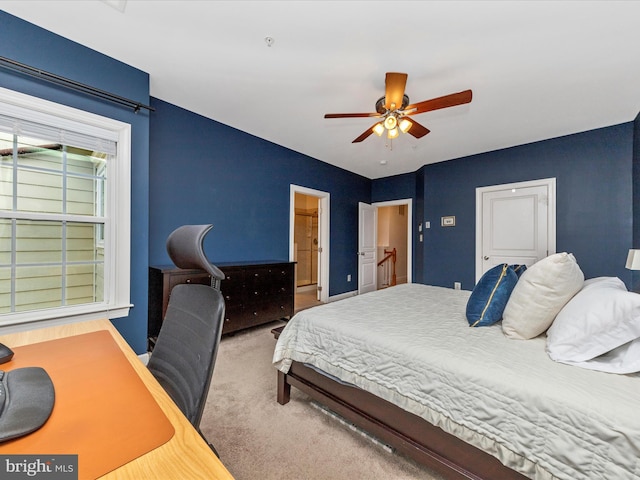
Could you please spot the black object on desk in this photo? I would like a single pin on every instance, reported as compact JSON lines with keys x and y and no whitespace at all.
{"x":26,"y":401}
{"x":6,"y":353}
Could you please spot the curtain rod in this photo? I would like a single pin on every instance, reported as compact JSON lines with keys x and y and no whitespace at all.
{"x":66,"y":82}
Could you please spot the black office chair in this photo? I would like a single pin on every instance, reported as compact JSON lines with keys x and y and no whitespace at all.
{"x":184,"y":246}
{"x":184,"y":355}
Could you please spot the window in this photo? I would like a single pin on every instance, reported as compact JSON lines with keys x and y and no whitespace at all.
{"x":64,"y":212}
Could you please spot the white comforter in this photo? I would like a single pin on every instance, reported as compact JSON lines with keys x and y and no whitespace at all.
{"x":412,"y":345}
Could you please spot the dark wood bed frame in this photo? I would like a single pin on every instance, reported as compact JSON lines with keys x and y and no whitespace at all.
{"x":407,"y":433}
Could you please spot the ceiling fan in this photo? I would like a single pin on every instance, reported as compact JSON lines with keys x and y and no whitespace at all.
{"x":394,"y":109}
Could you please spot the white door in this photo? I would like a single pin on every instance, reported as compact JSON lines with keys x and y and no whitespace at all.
{"x":367,"y":269}
{"x":517,"y":224}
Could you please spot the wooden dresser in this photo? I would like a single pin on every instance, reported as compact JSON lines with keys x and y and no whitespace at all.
{"x":254,"y":292}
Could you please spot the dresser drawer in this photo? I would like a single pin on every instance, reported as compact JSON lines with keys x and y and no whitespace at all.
{"x":195,"y":278}
{"x":233,"y":319}
{"x":280,"y":284}
{"x":233,"y":279}
{"x":257,"y":279}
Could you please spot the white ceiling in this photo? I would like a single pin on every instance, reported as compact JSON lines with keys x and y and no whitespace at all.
{"x":538,"y":69}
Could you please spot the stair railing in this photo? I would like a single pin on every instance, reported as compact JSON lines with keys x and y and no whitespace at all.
{"x":390,"y":257}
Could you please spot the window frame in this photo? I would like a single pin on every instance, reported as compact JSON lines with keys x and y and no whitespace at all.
{"x":117,"y":232}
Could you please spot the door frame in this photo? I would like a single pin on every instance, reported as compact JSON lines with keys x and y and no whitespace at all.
{"x":323,"y":237}
{"x":409,"y":203}
{"x":550,"y":183}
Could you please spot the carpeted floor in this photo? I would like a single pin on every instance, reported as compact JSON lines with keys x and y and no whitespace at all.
{"x":258,"y":439}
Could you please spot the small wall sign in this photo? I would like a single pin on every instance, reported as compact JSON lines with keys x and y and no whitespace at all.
{"x":448,"y":221}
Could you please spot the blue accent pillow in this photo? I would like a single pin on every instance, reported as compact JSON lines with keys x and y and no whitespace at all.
{"x":490,"y":295}
{"x":519,"y":269}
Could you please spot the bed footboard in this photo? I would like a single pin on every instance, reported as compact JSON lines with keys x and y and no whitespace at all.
{"x":407,"y":433}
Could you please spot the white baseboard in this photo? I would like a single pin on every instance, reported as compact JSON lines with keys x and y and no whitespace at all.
{"x":307,"y":288}
{"x":341,"y":296}
{"x":144,"y":358}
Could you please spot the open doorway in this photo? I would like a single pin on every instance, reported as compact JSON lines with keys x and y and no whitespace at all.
{"x":393,"y":248}
{"x":305,"y":238}
{"x":308,"y":245}
{"x":392,"y":243}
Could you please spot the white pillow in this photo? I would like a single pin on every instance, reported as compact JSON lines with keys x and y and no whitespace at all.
{"x":543,"y":289}
{"x":622,"y":360}
{"x":601,"y":317}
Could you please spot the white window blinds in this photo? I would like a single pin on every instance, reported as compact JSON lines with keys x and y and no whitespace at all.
{"x":68,"y":133}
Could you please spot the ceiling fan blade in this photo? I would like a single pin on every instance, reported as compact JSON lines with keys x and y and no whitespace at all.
{"x":438,"y":103}
{"x":350,"y":115}
{"x":364,"y":135}
{"x":417,"y":130}
{"x":394,"y":92}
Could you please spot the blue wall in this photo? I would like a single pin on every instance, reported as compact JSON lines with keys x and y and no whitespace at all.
{"x":31,"y":45}
{"x":394,"y":188}
{"x":202,"y":171}
{"x":594,"y":219}
{"x":398,"y":187}
{"x":418,"y":257}
{"x":635,"y":283}
{"x":595,"y":201}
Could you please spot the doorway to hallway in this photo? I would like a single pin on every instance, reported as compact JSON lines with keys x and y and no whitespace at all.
{"x":385,"y":234}
{"x":392,"y":245}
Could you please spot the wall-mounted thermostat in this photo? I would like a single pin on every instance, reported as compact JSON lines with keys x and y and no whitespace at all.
{"x":448,"y":221}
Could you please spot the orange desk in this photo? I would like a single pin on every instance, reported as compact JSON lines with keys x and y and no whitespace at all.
{"x":178,"y":451}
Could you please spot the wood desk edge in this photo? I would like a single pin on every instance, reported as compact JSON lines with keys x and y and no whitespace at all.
{"x":185,"y":456}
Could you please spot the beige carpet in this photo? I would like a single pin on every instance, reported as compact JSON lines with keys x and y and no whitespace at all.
{"x":258,"y":439}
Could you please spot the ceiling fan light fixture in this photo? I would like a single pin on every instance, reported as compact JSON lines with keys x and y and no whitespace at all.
{"x":390,"y":122}
{"x":378,"y":129}
{"x":394,"y":118}
{"x":405,"y":125}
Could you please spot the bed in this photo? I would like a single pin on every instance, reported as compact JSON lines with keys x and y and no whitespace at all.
{"x":403,"y":364}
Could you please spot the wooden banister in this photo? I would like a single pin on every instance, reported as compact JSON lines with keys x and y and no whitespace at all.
{"x":390,"y":254}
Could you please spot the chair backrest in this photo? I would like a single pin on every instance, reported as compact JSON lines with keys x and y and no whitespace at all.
{"x":185,"y":352}
{"x":184,"y":246}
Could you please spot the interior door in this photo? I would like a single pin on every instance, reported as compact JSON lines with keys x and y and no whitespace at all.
{"x":517,"y":224}
{"x":367,"y":269}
